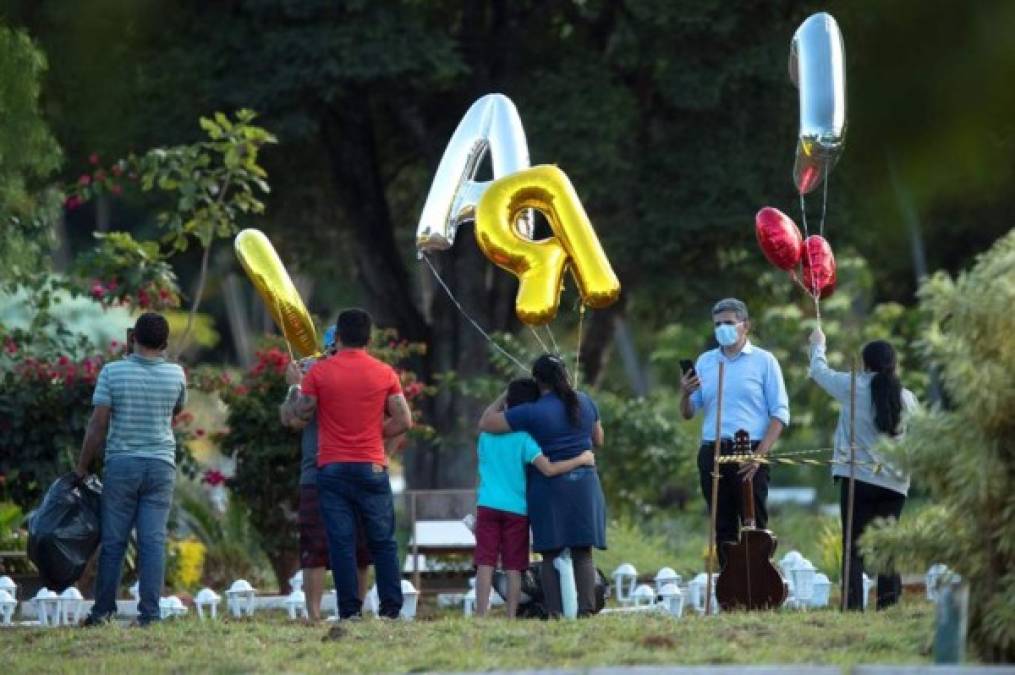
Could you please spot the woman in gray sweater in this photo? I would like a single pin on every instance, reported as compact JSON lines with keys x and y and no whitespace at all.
{"x":882,"y":405}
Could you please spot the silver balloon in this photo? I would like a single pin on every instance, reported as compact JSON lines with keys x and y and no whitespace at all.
{"x":491,"y":125}
{"x":817,"y":67}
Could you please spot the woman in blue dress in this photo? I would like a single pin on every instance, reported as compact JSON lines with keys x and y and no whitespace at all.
{"x":568,"y":510}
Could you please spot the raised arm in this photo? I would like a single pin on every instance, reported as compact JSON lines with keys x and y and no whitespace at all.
{"x":550,"y":469}
{"x":832,"y":381}
{"x":493,"y":419}
{"x":298,"y":408}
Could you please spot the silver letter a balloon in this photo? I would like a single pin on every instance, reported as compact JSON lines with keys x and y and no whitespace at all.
{"x":490,"y":125}
{"x":817,"y":67}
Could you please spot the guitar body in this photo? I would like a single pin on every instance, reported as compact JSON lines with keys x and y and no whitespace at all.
{"x":749,"y":580}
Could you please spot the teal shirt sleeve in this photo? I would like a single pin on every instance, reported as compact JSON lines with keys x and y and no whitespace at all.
{"x":103,"y":394}
{"x":530,"y":449}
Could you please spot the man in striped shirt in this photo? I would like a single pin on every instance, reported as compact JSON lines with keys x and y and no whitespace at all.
{"x":135,"y":400}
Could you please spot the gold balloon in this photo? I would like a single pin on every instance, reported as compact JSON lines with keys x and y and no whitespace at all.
{"x":268,"y":274}
{"x":540,"y":265}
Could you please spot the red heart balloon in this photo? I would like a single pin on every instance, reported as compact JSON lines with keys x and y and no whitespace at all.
{"x":778,"y":237}
{"x":818,"y":266}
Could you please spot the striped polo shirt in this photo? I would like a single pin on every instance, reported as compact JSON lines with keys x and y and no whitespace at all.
{"x":142,"y":393}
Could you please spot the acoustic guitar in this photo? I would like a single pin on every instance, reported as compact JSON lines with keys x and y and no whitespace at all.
{"x":749,"y":579}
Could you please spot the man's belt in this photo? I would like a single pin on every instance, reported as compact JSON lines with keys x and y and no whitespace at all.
{"x":726,"y":446}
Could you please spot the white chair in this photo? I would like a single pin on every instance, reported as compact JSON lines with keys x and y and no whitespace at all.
{"x":696,"y":593}
{"x":410,"y":600}
{"x":71,"y":606}
{"x":469,"y":603}
{"x":296,"y":604}
{"x":207,"y":600}
{"x":372,"y":603}
{"x":7,"y":584}
{"x":625,"y":578}
{"x":47,"y":607}
{"x":672,"y":599}
{"x":643,"y":595}
{"x":171,"y":607}
{"x":7,"y":606}
{"x":803,"y":574}
{"x":240,"y":598}
{"x":788,"y":562}
{"x":666,"y":576}
{"x":822,"y":591}
{"x":296,"y":581}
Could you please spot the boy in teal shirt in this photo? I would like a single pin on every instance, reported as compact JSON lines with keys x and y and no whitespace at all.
{"x":502,"y":523}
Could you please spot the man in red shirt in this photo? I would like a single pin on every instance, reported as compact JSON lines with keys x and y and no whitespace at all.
{"x":351,"y":392}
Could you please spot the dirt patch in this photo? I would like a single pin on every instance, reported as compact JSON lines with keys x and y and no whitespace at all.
{"x":334,"y":634}
{"x":659,"y":641}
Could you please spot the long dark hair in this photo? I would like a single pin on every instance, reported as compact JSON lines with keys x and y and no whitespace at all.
{"x":886,"y":389}
{"x":549,"y":371}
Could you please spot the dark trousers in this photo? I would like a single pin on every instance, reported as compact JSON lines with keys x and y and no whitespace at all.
{"x":729,"y":505}
{"x":353,"y":495}
{"x":869,"y":502}
{"x":584,"y":580}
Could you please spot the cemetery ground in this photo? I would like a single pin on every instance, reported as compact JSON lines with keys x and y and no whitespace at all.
{"x":271,"y":643}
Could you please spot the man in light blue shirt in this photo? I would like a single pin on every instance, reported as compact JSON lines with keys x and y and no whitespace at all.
{"x":754,"y":399}
{"x":134,"y":402}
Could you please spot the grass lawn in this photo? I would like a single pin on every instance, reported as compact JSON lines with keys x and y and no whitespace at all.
{"x":270,"y":643}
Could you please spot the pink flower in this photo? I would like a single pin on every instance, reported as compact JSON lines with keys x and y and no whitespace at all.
{"x":71,"y":203}
{"x":199,"y":433}
{"x":98,"y":290}
{"x":112,"y":285}
{"x":143,"y":301}
{"x":85,"y":180}
{"x":10,"y":346}
{"x":116,"y":189}
{"x":213,"y":477}
{"x":93,"y":158}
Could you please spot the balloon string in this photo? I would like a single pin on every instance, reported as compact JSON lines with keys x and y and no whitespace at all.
{"x":553,"y":340}
{"x":824,"y":202}
{"x":810,"y":284}
{"x":578,"y":349}
{"x":542,"y":344}
{"x":475,"y":325}
{"x":281,"y":324}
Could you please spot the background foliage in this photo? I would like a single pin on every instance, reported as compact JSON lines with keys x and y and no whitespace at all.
{"x":965,"y":454}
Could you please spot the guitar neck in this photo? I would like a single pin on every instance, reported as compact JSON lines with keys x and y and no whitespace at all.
{"x":748,"y":495}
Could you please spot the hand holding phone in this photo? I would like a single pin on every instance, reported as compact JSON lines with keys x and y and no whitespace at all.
{"x":689,"y":383}
{"x":686,"y":366}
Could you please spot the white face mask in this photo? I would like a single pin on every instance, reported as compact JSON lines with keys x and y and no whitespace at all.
{"x":726,"y":334}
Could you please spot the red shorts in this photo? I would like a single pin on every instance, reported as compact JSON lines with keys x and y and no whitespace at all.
{"x":503,"y":534}
{"x":314,"y":536}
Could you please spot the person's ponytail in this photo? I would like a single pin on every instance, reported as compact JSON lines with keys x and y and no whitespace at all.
{"x":886,"y":389}
{"x":550,"y":372}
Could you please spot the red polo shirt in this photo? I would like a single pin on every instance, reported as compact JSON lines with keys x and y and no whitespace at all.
{"x":352,"y":390}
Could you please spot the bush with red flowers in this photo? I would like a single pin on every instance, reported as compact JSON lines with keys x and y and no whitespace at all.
{"x":45,"y":404}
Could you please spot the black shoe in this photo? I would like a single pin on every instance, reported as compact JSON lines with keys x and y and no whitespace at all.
{"x":93,"y":620}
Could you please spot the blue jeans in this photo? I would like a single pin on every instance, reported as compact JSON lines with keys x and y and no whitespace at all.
{"x":136,"y":492}
{"x":347,"y":490}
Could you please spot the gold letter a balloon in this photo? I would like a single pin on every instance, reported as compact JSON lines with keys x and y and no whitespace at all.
{"x":539,"y":265}
{"x":268,"y":274}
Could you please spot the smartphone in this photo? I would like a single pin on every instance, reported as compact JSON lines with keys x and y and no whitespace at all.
{"x":686,"y":366}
